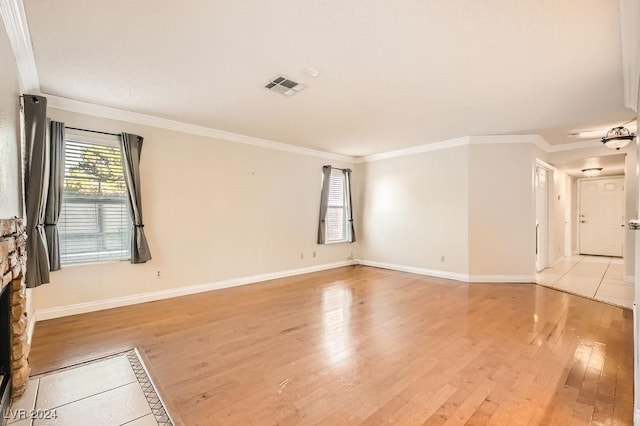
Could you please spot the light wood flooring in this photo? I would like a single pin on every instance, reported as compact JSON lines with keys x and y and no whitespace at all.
{"x":363,"y":345}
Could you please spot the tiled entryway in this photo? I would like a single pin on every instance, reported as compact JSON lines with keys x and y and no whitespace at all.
{"x":111,"y":391}
{"x":600,"y":278}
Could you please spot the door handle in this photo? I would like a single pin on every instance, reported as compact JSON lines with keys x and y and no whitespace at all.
{"x":584,"y":221}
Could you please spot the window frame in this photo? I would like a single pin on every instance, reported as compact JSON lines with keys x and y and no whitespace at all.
{"x":87,"y":137}
{"x":344,"y":207}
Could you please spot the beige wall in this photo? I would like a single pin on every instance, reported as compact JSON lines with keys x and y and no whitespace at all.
{"x":9,"y":124}
{"x":213,"y":210}
{"x":415,"y":210}
{"x":472,"y":204}
{"x":501,"y":209}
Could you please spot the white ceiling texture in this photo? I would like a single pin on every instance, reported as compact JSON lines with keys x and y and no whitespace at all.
{"x":393,"y":74}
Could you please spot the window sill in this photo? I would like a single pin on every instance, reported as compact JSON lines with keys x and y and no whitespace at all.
{"x":99,"y":262}
{"x":336,"y":242}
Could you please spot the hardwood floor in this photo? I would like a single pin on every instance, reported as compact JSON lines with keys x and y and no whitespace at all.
{"x":364,"y":345}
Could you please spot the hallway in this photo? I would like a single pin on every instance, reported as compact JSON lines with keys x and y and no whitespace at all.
{"x":596,"y":277}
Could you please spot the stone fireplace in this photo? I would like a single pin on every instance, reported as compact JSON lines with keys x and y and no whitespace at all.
{"x":14,"y":348}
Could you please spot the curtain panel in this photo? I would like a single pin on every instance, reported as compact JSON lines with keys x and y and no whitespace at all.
{"x":324,"y":204}
{"x":36,"y":187}
{"x":131,"y":148}
{"x":352,"y":234}
{"x":54,"y":198}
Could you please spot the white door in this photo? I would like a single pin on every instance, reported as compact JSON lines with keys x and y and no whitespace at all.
{"x":602,"y":216}
{"x":542,"y":217}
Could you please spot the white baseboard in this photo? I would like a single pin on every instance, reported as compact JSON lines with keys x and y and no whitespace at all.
{"x":629,"y":279}
{"x":116,"y":302}
{"x":517,"y":279}
{"x":450,"y":275}
{"x":414,"y":270}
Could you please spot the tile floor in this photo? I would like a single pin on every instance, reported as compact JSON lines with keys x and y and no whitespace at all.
{"x":600,"y":278}
{"x":111,"y":391}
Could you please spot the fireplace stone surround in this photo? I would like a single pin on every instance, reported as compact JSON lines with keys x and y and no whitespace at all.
{"x":12,"y":273}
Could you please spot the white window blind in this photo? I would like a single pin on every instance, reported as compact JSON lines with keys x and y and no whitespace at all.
{"x":336,"y":220}
{"x":94,"y":223}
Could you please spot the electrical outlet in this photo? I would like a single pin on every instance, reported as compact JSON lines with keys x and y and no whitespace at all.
{"x":314,"y":254}
{"x":443,"y":258}
{"x":301,"y":255}
{"x":158,"y":276}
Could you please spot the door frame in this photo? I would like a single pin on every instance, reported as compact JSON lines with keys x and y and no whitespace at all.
{"x":578,"y":201}
{"x":550,"y":195}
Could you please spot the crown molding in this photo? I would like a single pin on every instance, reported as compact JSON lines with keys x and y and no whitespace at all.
{"x":81,"y":107}
{"x":434,"y":146}
{"x":96,"y":110}
{"x":536,"y":140}
{"x":15,"y":22}
{"x":506,"y":139}
{"x":590,"y":143}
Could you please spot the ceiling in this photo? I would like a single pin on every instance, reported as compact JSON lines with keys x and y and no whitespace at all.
{"x":612,"y":165}
{"x":394,"y":74}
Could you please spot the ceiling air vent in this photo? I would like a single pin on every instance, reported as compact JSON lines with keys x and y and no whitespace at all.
{"x":285,"y":86}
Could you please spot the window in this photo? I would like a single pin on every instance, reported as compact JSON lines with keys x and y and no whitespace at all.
{"x":94,"y":224}
{"x":336,"y":219}
{"x":336,"y":216}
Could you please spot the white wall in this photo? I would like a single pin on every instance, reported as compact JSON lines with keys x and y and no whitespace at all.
{"x":415,"y":210}
{"x":561,"y":214}
{"x":10,"y":186}
{"x":631,"y":211}
{"x":213,"y":210}
{"x":472,"y":204}
{"x":501,"y":209}
{"x":574,"y":216}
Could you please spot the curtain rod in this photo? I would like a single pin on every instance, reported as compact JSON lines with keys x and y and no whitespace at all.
{"x":91,"y":131}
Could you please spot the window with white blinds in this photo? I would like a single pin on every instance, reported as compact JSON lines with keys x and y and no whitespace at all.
{"x":94,"y":223}
{"x":336,"y":219}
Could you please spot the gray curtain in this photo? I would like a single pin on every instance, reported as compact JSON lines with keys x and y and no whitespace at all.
{"x":347,"y":176}
{"x":36,"y":184}
{"x":54,"y":198}
{"x":131,"y":148}
{"x":324,"y":203}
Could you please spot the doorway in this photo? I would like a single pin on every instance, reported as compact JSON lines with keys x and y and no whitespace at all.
{"x":601,"y":218}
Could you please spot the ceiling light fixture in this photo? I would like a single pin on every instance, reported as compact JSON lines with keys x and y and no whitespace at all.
{"x":618,"y":137}
{"x":592,"y":171}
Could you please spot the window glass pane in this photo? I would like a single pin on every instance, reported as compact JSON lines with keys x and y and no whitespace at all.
{"x":335,"y":224}
{"x":336,"y":189}
{"x":336,"y":213}
{"x":94,"y":222}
